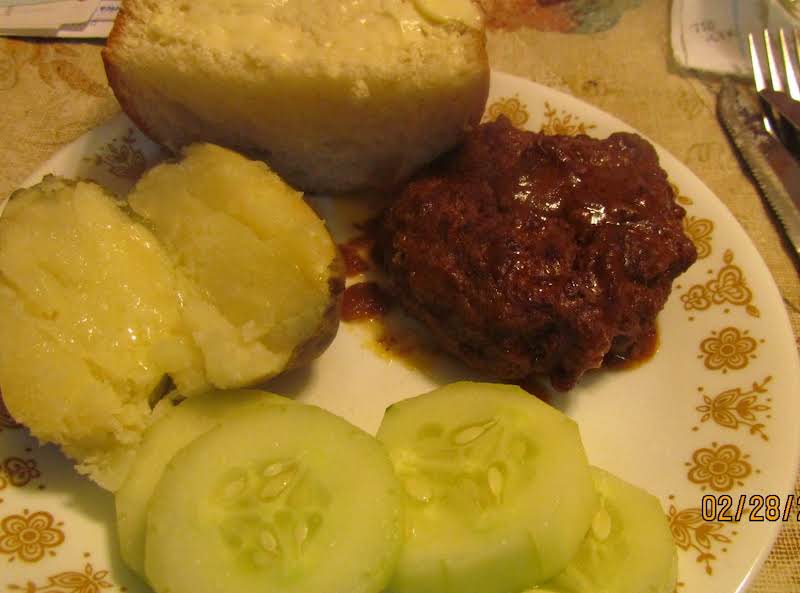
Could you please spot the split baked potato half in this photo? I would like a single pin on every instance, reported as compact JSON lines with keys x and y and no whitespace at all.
{"x":212,"y":274}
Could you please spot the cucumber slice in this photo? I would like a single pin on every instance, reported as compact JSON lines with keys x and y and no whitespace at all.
{"x":498,"y":490}
{"x":175,"y":429}
{"x":629,"y":548}
{"x":284,"y":499}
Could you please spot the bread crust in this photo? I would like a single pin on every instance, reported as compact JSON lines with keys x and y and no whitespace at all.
{"x":320,"y":159}
{"x":114,"y":73}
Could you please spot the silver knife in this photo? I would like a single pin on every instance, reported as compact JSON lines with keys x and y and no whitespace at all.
{"x":782,"y":103}
{"x":775,"y":169}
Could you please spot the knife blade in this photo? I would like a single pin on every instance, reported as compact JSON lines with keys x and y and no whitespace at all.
{"x":775,"y":170}
{"x":784,"y":116}
{"x":784,"y":105}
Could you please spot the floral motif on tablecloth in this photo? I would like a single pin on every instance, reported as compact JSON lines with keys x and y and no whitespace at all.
{"x":514,"y":109}
{"x":29,"y":536}
{"x":54,"y":63}
{"x":691,"y":532}
{"x":121,"y":157}
{"x":719,"y":467}
{"x":699,"y":231}
{"x":737,"y":407}
{"x":728,"y":349}
{"x":563,"y":123}
{"x":564,"y":16}
{"x":84,"y":581}
{"x":729,"y":287}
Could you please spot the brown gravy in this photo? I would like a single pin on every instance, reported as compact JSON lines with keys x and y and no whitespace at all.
{"x":365,"y":300}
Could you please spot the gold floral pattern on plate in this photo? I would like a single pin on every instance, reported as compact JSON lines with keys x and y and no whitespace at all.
{"x":729,"y":287}
{"x":737,"y":407}
{"x":85,"y":581}
{"x":699,"y":230}
{"x":18,"y":472}
{"x":719,"y":467}
{"x":728,"y":349}
{"x":121,"y":157}
{"x":679,"y":197}
{"x":29,"y":536}
{"x":512,"y":107}
{"x":691,"y":532}
{"x":564,"y":123}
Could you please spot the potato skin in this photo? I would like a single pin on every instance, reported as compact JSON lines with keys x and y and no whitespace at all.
{"x":314,"y":346}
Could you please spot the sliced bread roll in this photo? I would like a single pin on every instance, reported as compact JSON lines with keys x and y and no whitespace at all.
{"x":336,"y":96}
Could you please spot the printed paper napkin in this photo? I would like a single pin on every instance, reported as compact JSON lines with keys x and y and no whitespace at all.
{"x":712,"y":35}
{"x":57,"y":18}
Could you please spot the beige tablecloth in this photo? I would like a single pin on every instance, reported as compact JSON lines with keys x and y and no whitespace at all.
{"x":618,"y":59}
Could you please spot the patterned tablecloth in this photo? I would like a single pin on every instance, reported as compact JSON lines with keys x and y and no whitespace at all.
{"x":614,"y":54}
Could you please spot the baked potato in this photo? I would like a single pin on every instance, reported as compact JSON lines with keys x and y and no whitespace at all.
{"x":260,"y":277}
{"x":213,"y":274}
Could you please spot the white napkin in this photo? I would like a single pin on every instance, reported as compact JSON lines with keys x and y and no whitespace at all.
{"x":711,"y":35}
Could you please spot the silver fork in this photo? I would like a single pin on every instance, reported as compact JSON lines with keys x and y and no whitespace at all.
{"x":781,"y":99}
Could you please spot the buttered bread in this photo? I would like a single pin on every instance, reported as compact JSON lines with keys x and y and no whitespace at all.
{"x":335,"y":96}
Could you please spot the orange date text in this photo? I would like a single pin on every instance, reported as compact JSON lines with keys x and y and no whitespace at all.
{"x":755,"y":507}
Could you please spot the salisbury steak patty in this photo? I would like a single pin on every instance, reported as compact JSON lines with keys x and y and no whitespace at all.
{"x":528,"y":254}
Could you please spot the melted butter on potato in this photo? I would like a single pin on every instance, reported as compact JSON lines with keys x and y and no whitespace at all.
{"x":85,"y":293}
{"x":222,"y":217}
{"x":221,"y":277}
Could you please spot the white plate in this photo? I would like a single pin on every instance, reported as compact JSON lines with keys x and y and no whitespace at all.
{"x":713,"y":413}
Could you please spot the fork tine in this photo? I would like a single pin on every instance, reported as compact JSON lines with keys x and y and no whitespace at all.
{"x":758,"y":74}
{"x":796,"y":35}
{"x":770,"y":121}
{"x":788,"y":66}
{"x":774,"y":73}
